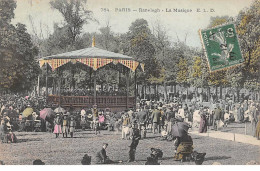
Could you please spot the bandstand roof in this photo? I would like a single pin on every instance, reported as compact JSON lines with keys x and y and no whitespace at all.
{"x":92,"y":57}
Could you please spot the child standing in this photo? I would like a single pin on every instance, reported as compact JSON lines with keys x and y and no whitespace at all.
{"x":72,"y":126}
{"x":65,"y":128}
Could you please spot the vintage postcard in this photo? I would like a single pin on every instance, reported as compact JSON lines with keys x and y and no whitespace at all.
{"x":129,"y":82}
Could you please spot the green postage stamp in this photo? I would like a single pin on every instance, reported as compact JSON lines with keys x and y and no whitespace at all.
{"x":221,"y":46}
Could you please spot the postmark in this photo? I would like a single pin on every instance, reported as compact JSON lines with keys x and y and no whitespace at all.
{"x":221,"y":47}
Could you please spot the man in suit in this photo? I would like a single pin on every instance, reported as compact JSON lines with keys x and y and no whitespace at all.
{"x":142,"y":117}
{"x":170,"y":115}
{"x":155,"y":118}
{"x":217,"y":116}
{"x":135,"y":141}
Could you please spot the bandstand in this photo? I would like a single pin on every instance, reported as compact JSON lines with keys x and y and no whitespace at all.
{"x":96,"y":59}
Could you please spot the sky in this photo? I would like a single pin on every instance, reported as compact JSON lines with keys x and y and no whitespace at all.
{"x":177,"y":24}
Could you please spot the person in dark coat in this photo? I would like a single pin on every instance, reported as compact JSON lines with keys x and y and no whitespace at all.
{"x":217,"y":116}
{"x":170,"y":115}
{"x":142,"y":117}
{"x":101,"y":156}
{"x":203,"y":122}
{"x":135,"y":141}
{"x":86,"y":160}
{"x":155,"y":118}
{"x":254,"y":119}
{"x":240,"y":113}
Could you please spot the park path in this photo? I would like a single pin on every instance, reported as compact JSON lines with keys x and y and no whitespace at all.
{"x":246,"y":139}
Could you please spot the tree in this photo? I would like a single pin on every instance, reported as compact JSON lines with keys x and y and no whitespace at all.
{"x":218,"y":20}
{"x":199,"y":73}
{"x":74,"y":14}
{"x":182,"y":75}
{"x":139,"y":45}
{"x":18,"y":66}
{"x":248,"y":32}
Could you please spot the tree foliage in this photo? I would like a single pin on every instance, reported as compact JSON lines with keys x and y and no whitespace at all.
{"x":139,"y":44}
{"x":18,"y":68}
{"x":182,"y":75}
{"x":74,"y":14}
{"x":248,"y":29}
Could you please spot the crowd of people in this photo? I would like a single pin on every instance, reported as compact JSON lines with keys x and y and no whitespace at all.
{"x":156,"y":117}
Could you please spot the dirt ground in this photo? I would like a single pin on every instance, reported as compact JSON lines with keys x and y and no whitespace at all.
{"x":69,"y":151}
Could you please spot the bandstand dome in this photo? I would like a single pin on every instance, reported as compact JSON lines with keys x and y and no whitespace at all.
{"x":92,"y":57}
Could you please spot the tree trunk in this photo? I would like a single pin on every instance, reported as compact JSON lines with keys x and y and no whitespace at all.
{"x":208,"y":94}
{"x":196,"y":92}
{"x":238,"y":91}
{"x":144,"y":91}
{"x":155,"y":93}
{"x":165,"y":93}
{"x":38,"y":88}
{"x":137,"y":90}
{"x":102,"y":87}
{"x":149,"y":91}
{"x":187,"y":94}
{"x":220,"y":92}
{"x":216,"y":92}
{"x":175,"y":89}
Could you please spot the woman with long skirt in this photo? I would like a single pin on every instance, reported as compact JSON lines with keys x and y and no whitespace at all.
{"x":57,"y":127}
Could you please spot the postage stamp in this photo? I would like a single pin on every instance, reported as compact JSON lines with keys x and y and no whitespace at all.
{"x":221,"y":47}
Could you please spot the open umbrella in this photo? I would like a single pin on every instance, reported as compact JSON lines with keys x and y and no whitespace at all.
{"x":59,"y":110}
{"x":180,"y":129}
{"x":27,"y":112}
{"x":47,"y":113}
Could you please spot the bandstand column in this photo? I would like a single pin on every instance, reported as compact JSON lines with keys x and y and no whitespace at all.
{"x":95,"y":89}
{"x":135,"y":90}
{"x":127,"y":89}
{"x":47,"y":81}
{"x":59,"y":75}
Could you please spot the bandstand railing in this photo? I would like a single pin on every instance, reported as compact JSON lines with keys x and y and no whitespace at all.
{"x":88,"y":101}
